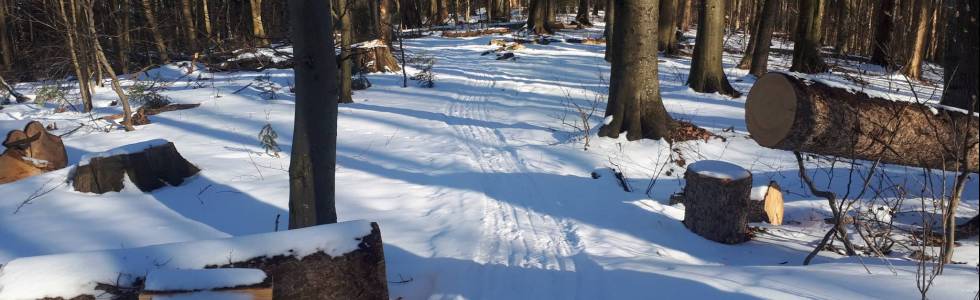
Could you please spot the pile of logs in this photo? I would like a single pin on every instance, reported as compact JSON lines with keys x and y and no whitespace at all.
{"x":30,"y":152}
{"x":788,"y":113}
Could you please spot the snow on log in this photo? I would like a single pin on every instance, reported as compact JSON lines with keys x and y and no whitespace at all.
{"x":224,"y":283}
{"x":716,"y":201}
{"x":30,"y":152}
{"x":335,"y":261}
{"x":373,"y":57}
{"x":789,"y":113}
{"x":150,"y":165}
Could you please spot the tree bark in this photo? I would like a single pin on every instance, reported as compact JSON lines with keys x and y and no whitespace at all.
{"x":763,"y":35}
{"x":151,"y":22}
{"x":346,"y":60}
{"x":707,"y":75}
{"x":634,"y":89}
{"x":124,"y":41}
{"x":717,"y":207}
{"x":537,"y":20}
{"x":806,"y":50}
{"x":883,"y":34}
{"x":788,"y":113}
{"x":582,"y":17}
{"x":608,"y":32}
{"x":5,"y":42}
{"x":190,"y":31}
{"x":960,"y":61}
{"x":71,"y":31}
{"x":206,"y":16}
{"x":913,"y":69}
{"x":666,"y":28}
{"x":746,"y":61}
{"x":313,"y":159}
{"x":258,"y":29}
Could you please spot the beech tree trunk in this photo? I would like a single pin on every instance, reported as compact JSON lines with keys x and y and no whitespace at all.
{"x":151,"y":22}
{"x":258,"y":29}
{"x":537,"y":20}
{"x":189,"y":30}
{"x":785,"y":112}
{"x":806,"y":49}
{"x":634,"y":89}
{"x":716,"y":201}
{"x":883,"y":34}
{"x":913,"y":69}
{"x":667,"y":37}
{"x":960,"y":59}
{"x":346,"y":60}
{"x":707,"y":75}
{"x":313,"y":160}
{"x":763,"y":38}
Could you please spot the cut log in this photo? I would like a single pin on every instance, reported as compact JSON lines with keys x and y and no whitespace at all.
{"x":30,"y":152}
{"x":716,"y":201}
{"x":473,"y":33}
{"x":149,"y":165}
{"x":769,"y":208}
{"x":230,"y":283}
{"x":788,"y":113}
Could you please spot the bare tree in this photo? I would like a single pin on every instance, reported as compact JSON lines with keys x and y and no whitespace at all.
{"x":313,"y":159}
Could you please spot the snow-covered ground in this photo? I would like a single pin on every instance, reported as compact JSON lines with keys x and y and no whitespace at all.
{"x":480,"y":189}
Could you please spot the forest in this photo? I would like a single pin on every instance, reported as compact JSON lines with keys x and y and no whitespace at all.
{"x":489,"y":149}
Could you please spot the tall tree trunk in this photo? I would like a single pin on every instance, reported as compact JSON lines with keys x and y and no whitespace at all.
{"x":913,"y":69}
{"x":960,"y":59}
{"x":746,"y":61}
{"x":707,"y":75}
{"x":667,"y":32}
{"x":104,"y":62}
{"x":634,"y":90}
{"x":844,"y":8}
{"x":763,"y":33}
{"x":206,"y":15}
{"x":5,"y":42}
{"x":883,"y":34}
{"x":346,"y":60}
{"x":190,"y":31}
{"x":151,"y":22}
{"x":71,"y":31}
{"x":609,"y":33}
{"x":386,"y":27}
{"x":124,"y":40}
{"x":442,"y":12}
{"x":806,"y":50}
{"x":537,"y":20}
{"x":685,"y":15}
{"x":258,"y":29}
{"x":313,"y":160}
{"x":582,"y":17}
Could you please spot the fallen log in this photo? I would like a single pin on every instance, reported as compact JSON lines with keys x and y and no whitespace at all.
{"x":788,"y":113}
{"x":150,"y":165}
{"x":716,"y":201}
{"x":473,"y":33}
{"x":30,"y":152}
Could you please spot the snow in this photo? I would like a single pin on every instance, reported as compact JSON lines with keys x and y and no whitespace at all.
{"x":122,"y":150}
{"x":719,"y":170}
{"x":72,"y":274}
{"x":204,"y":279}
{"x":480,"y":190}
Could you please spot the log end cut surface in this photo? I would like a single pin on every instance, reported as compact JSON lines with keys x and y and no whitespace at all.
{"x":770,"y":109}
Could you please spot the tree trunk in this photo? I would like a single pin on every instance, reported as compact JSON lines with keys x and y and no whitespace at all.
{"x":346,"y":61}
{"x":385,"y":26}
{"x":101,"y":58}
{"x":913,"y":69}
{"x":685,"y":15}
{"x":746,"y":61}
{"x":312,"y":164}
{"x":151,"y":22}
{"x":5,"y":42}
{"x":707,"y":75}
{"x":883,"y":34}
{"x":582,"y":17}
{"x":634,"y":90}
{"x":124,"y":42}
{"x":608,"y":32}
{"x":537,"y":20}
{"x":206,"y":15}
{"x":763,"y":36}
{"x":788,"y":113}
{"x":843,"y":26}
{"x":71,"y":31}
{"x":666,"y":28}
{"x":258,"y":29}
{"x":716,"y":201}
{"x":806,"y":50}
{"x":191,"y":32}
{"x":960,"y":58}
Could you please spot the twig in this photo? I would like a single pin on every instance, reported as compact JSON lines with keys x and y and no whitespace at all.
{"x":37,"y":194}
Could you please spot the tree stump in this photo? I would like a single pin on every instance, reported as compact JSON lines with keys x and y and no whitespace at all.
{"x":716,"y":201}
{"x":769,"y":208}
{"x":788,"y":113}
{"x":373,"y":57}
{"x":149,"y":165}
{"x":30,"y":152}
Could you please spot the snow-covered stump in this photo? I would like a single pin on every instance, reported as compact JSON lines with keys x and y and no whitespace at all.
{"x":373,"y":57}
{"x":150,"y":165}
{"x":716,"y":201}
{"x":334,"y":261}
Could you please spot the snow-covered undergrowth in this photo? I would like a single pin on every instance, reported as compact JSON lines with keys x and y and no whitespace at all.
{"x":480,"y":189}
